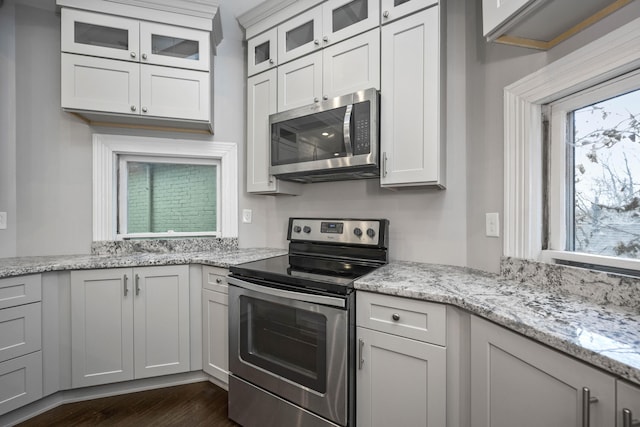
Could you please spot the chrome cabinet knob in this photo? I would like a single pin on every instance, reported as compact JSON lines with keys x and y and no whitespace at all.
{"x":395,"y":316}
{"x":133,"y":54}
{"x":316,"y":99}
{"x":271,"y":61}
{"x":385,"y":14}
{"x":144,"y":56}
{"x":144,"y":109}
{"x":325,"y":39}
{"x":316,"y":42}
{"x":325,"y":97}
{"x":218,"y":280}
{"x":133,"y":108}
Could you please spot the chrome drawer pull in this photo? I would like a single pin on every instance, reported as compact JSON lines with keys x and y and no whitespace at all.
{"x":395,"y":316}
{"x":360,"y":349}
{"x":126,"y":288}
{"x":627,"y":419}
{"x":587,"y":400}
{"x":137,"y":284}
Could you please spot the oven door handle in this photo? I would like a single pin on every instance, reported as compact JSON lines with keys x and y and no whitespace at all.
{"x":297,"y":296}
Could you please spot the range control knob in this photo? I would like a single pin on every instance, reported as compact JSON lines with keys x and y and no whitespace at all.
{"x":307,"y":229}
{"x":371,"y":232}
{"x":357,"y":232}
{"x":297,"y":229}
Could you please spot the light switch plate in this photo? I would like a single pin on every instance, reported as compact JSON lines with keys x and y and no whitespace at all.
{"x":3,"y":220}
{"x":492,"y":225}
{"x":247,"y":216}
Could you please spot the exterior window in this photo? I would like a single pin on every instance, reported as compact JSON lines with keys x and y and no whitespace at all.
{"x":161,"y":196}
{"x":595,"y":161}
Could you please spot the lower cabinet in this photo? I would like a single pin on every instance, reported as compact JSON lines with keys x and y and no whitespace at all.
{"x":518,"y":382}
{"x":20,"y":341}
{"x":628,"y":405}
{"x":129,"y":324}
{"x":215,"y":339}
{"x":400,"y":380}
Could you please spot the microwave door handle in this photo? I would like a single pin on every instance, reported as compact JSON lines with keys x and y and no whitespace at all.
{"x":346,"y":130}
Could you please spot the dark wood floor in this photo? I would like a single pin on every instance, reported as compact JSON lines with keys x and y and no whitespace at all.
{"x":199,"y":404}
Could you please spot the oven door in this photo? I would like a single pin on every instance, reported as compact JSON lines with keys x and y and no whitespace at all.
{"x":291,"y":344}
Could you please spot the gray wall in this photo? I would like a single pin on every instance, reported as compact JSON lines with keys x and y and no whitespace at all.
{"x":45,"y":154}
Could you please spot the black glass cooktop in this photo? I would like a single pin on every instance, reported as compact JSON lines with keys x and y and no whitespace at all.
{"x":324,"y":274}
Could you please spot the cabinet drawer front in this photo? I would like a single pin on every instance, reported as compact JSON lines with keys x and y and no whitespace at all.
{"x":215,"y":279}
{"x":419,"y":320}
{"x":118,"y":90}
{"x":20,"y":381}
{"x":98,"y":34}
{"x":20,"y":290}
{"x":20,"y":330}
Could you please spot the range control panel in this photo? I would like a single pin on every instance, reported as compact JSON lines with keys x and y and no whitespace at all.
{"x":371,"y":232}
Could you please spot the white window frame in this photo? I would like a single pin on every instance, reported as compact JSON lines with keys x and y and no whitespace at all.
{"x":107,"y":148}
{"x":123,"y":159}
{"x":614,"y":54}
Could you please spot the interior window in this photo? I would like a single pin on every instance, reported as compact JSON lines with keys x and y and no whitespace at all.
{"x":595,"y":171}
{"x":159,"y":196}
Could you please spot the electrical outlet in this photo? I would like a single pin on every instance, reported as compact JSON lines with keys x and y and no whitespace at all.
{"x":247,"y":216}
{"x":3,"y":220}
{"x":492,"y":226}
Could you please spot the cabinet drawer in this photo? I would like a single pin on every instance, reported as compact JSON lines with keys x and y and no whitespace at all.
{"x":215,"y":279}
{"x":20,"y":381}
{"x":20,"y":290}
{"x":20,"y":330}
{"x":419,"y":320}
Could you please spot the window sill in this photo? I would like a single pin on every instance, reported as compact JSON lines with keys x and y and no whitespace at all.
{"x":625,"y":266}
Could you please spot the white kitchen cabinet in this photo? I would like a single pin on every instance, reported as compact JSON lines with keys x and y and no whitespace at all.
{"x":402,"y":362}
{"x":340,"y":69}
{"x":263,"y":52}
{"x":343,"y":19}
{"x":411,"y":138}
{"x":129,"y":323}
{"x":496,"y":13}
{"x":117,"y":37}
{"x":133,"y":89}
{"x":394,"y":9}
{"x":516,"y":381}
{"x":261,"y":102}
{"x":20,"y":341}
{"x":628,"y":404}
{"x":300,"y":35}
{"x":215,"y":323}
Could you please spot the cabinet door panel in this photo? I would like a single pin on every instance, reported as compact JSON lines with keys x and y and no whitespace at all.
{"x":300,"y":35}
{"x":101,"y":327}
{"x":410,"y":98}
{"x":628,"y":397}
{"x":161,"y":320}
{"x":394,"y":9}
{"x":175,"y":93}
{"x":20,"y":381}
{"x":20,"y":330}
{"x":216,"y":337}
{"x":261,"y":102}
{"x":99,"y":34}
{"x":172,"y":46}
{"x":300,"y":82}
{"x":352,"y":65}
{"x":262,"y":51}
{"x":401,"y":382}
{"x":343,"y":19}
{"x":20,"y":290}
{"x":515,"y":381}
{"x":99,"y":84}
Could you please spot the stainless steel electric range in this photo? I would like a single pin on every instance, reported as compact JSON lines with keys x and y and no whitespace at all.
{"x":292,"y":325}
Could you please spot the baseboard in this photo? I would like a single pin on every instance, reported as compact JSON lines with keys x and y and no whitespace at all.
{"x":87,"y":393}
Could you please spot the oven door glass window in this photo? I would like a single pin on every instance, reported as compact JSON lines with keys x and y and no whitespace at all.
{"x":284,"y":340}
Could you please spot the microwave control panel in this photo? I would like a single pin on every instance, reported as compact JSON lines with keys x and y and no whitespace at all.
{"x":362,"y":128}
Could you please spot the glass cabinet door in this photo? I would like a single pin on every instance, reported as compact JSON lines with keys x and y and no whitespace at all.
{"x":262,"y":52}
{"x":394,"y":9}
{"x":343,"y":19}
{"x":180,"y":47}
{"x":101,"y":35}
{"x":300,"y":35}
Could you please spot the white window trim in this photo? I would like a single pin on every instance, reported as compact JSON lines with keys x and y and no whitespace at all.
{"x":610,"y":56}
{"x":106,"y":148}
{"x":123,"y":232}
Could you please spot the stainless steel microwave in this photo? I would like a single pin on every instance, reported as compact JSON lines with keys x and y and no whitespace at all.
{"x":332,"y":140}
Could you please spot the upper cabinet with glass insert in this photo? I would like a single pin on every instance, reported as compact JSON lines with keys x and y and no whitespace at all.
{"x":263,"y":52}
{"x":116,"y":37}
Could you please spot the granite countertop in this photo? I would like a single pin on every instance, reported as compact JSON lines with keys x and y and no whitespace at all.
{"x":223,"y":258}
{"x":604,"y":335}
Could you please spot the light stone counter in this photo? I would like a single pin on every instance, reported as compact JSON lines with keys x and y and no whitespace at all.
{"x":604,"y":335}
